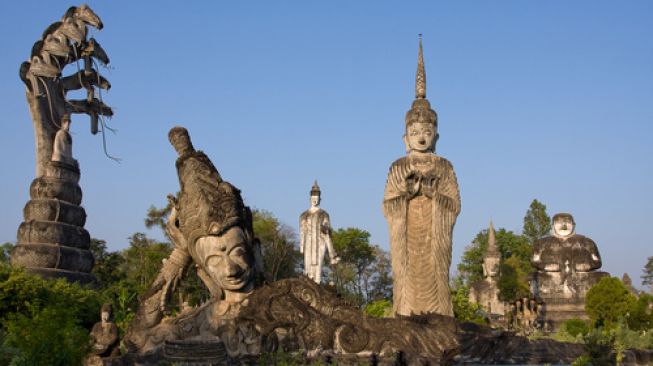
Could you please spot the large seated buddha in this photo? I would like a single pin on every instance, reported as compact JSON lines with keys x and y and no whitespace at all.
{"x":566,"y":266}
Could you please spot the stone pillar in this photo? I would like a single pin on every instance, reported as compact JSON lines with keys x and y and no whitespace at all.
{"x":52,"y":241}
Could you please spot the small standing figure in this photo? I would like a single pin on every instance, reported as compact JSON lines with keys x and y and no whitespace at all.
{"x":104,"y":338}
{"x":62,"y":149}
{"x":315,"y":237}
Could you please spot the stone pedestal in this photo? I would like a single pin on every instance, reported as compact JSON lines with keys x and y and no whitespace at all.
{"x":563,"y":299}
{"x":52,"y":241}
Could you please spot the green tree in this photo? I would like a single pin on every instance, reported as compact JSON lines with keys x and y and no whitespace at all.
{"x":5,"y":252}
{"x":647,"y":277}
{"x":109,"y":266}
{"x":640,"y":316}
{"x":44,"y":322}
{"x":536,"y":222}
{"x":143,"y":260}
{"x":509,"y":244}
{"x":463,"y":309}
{"x":607,"y":302}
{"x":378,"y":276}
{"x":470,"y":268}
{"x":279,"y":246}
{"x":356,"y":253}
{"x":158,"y":217}
{"x":513,"y":279}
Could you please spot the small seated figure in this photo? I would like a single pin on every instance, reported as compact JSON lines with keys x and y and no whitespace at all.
{"x":104,"y":335}
{"x":62,"y":148}
{"x":565,"y":261}
{"x":315,"y":237}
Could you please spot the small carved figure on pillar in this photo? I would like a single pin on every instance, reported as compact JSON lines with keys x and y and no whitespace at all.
{"x":315,"y":237}
{"x":62,"y":150}
{"x":104,"y":338}
{"x":421,"y":203}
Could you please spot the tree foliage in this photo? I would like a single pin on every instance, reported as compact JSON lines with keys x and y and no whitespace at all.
{"x":537,"y":222}
{"x":279,"y":247}
{"x":378,"y":308}
{"x":463,"y":309}
{"x":45,"y":322}
{"x":5,"y":252}
{"x":647,"y":276}
{"x":515,"y":266}
{"x":363,"y":273}
{"x":640,"y":315}
{"x":608,"y":301}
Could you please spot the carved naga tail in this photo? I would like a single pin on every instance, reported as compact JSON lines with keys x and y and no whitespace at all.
{"x":52,"y":241}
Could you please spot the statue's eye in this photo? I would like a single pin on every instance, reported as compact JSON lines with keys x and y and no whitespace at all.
{"x":238,"y":252}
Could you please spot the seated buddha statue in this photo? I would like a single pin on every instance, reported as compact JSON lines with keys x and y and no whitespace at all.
{"x":566,"y":262}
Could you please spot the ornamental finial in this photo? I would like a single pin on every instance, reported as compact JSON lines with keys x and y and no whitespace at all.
{"x":420,"y":78}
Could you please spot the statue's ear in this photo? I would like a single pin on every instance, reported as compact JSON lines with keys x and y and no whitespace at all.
{"x":435,"y":140}
{"x":406,"y":143}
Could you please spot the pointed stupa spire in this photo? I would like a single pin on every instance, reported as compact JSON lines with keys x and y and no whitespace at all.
{"x":421,"y":111}
{"x":420,"y":77}
{"x":491,"y":242}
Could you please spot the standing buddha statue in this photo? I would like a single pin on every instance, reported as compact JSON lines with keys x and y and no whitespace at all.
{"x":421,"y":203}
{"x":315,"y":237}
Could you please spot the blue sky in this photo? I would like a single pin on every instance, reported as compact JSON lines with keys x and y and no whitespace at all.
{"x":548,"y":100}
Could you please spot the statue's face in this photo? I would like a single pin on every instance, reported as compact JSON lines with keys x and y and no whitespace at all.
{"x":421,"y":137}
{"x":315,"y":200}
{"x":563,"y":227}
{"x":105,"y":315}
{"x":227,"y":261}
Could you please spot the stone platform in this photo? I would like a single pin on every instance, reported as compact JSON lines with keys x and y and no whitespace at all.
{"x":52,"y":241}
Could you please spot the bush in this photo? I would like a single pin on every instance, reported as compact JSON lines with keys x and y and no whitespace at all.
{"x":44,"y":322}
{"x":640,"y":316}
{"x":598,"y":344}
{"x":581,"y":361}
{"x":607,"y":302}
{"x":463,"y":309}
{"x":379,"y":309}
{"x":575,"y":327}
{"x":49,"y":336}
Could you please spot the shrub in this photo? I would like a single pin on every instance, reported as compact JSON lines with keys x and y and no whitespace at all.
{"x":607,"y":302}
{"x":44,"y":322}
{"x":48,"y":336}
{"x":575,"y":327}
{"x":379,"y":309}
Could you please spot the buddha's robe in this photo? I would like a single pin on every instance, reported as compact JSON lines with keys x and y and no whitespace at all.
{"x":421,"y":204}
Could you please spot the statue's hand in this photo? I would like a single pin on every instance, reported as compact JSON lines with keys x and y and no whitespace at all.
{"x":413,"y":183}
{"x":430,"y":185}
{"x":172,"y":229}
{"x":167,"y":281}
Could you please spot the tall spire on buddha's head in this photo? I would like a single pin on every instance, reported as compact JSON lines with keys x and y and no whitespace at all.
{"x":491,"y":242}
{"x":420,"y":77}
{"x":421,"y":111}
